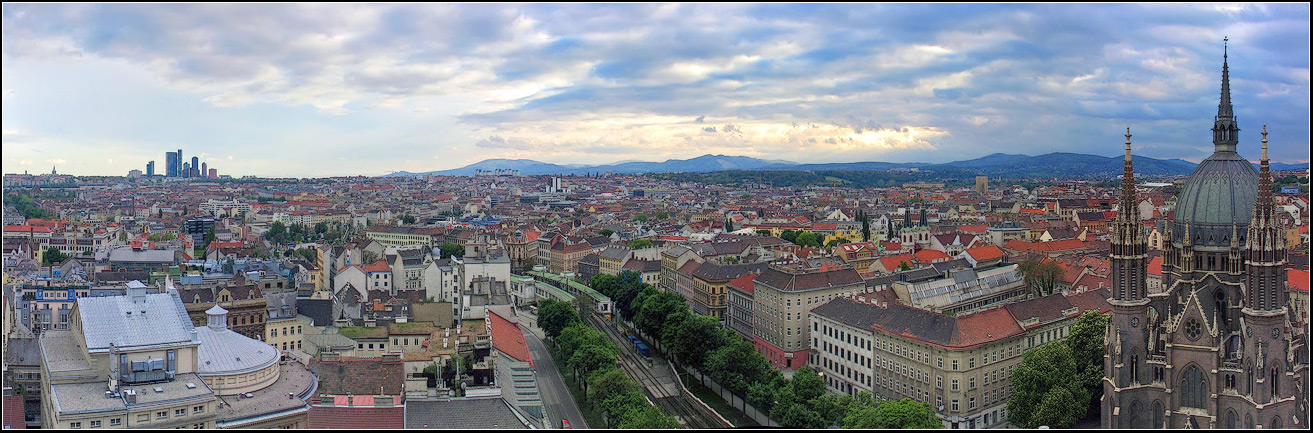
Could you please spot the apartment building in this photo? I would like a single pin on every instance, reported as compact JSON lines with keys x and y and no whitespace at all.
{"x":961,"y":365}
{"x":782,"y":297}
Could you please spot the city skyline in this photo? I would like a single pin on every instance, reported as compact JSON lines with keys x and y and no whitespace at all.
{"x":312,"y":91}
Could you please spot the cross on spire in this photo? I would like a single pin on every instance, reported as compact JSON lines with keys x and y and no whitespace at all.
{"x":1225,"y":130}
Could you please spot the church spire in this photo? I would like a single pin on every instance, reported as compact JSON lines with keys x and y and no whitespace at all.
{"x":1128,"y":177}
{"x":1225,"y":130}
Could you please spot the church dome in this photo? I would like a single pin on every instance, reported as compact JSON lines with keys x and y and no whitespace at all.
{"x":1219,"y":193}
{"x":1218,"y":197}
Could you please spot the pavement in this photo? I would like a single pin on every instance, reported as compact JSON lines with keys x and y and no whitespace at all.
{"x":558,"y":403}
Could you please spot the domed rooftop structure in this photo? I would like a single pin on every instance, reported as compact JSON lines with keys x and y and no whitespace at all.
{"x":224,"y":352}
{"x":1219,"y":195}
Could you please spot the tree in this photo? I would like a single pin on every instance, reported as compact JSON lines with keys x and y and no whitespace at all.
{"x":640,"y":217}
{"x":638,"y":244}
{"x":605,"y":232}
{"x":651,"y":318}
{"x":52,"y":256}
{"x":592,"y":358}
{"x":321,"y":228}
{"x":691,"y":337}
{"x":209,"y":236}
{"x":1040,"y":277}
{"x":603,"y":386}
{"x":277,"y":232}
{"x":1056,"y":410}
{"x":448,"y":250}
{"x":736,"y":366}
{"x":903,"y":266}
{"x":555,"y":316}
{"x":895,"y":414}
{"x":662,"y":215}
{"x":807,"y":384}
{"x":648,"y":417}
{"x":1086,"y":341}
{"x":1043,"y":369}
{"x":763,"y":232}
{"x":866,"y":225}
{"x":836,"y":241}
{"x":789,"y":235}
{"x":407,"y":219}
{"x":809,"y":239}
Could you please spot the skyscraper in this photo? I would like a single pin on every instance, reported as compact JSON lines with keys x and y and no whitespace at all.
{"x":195,"y":167}
{"x":205,"y":170}
{"x":1215,"y":348}
{"x":150,"y":168}
{"x":172,"y":163}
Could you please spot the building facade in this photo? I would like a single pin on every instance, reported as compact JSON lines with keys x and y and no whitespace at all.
{"x":1215,"y":349}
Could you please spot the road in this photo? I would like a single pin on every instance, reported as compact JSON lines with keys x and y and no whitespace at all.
{"x":557,"y":401}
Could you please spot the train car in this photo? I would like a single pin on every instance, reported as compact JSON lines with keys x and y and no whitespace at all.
{"x":642,"y":349}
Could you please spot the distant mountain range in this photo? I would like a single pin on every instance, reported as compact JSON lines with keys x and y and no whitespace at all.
{"x":998,"y":165}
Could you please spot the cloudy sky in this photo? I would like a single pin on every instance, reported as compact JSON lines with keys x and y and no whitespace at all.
{"x":319,"y":90}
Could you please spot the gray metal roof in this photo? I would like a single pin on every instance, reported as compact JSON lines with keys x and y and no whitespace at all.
{"x":161,"y":319}
{"x":127,"y":254}
{"x":223,"y":351}
{"x":1221,"y":191}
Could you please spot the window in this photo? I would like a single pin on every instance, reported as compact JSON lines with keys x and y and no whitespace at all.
{"x":939,"y":382}
{"x":955,"y":408}
{"x":115,"y":422}
{"x":162,"y":414}
{"x":971,"y":403}
{"x":954,"y":387}
{"x":198,"y":409}
{"x":954,"y":365}
{"x":940,"y":361}
{"x":971,"y":363}
{"x":180,"y":412}
{"x":972,"y":382}
{"x":1193,"y":388}
{"x":75,"y":425}
{"x":95,"y":424}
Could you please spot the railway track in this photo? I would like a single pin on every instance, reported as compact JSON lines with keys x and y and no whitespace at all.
{"x":690,"y":414}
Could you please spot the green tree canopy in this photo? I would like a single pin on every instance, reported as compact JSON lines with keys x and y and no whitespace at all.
{"x":555,"y":316}
{"x":640,"y":217}
{"x":592,"y":358}
{"x":1086,"y":341}
{"x":809,"y":239}
{"x":894,"y":414}
{"x":1056,"y":410}
{"x":448,"y":250}
{"x":689,"y":338}
{"x":1040,"y":277}
{"x":648,"y":417}
{"x":407,"y":219}
{"x":637,"y":244}
{"x":736,"y":366}
{"x":52,"y":256}
{"x":1041,"y":370}
{"x":605,"y":232}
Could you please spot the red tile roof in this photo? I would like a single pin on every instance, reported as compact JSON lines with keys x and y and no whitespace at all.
{"x":932,"y":256}
{"x":744,"y":283}
{"x":1297,"y":279}
{"x":27,"y":229}
{"x":1156,"y":266}
{"x":984,"y":327}
{"x":988,"y":252}
{"x":508,"y":338}
{"x":13,"y":412}
{"x":379,"y":266}
{"x":357,"y":417}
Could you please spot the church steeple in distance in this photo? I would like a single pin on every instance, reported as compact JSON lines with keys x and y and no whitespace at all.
{"x":1225,"y":129}
{"x":1266,"y":245}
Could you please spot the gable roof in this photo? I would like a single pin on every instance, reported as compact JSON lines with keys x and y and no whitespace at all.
{"x":507,"y":338}
{"x":359,"y":376}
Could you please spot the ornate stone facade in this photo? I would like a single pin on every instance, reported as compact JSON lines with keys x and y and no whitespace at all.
{"x":1215,"y":349}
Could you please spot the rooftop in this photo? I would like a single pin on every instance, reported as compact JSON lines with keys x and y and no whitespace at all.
{"x":463,"y":414}
{"x":160,"y":319}
{"x":293,"y":378}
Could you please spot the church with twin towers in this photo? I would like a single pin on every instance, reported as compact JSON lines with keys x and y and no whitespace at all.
{"x":1219,"y":346}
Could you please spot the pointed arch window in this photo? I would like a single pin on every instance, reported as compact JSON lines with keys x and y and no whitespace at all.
{"x":1194,"y":389}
